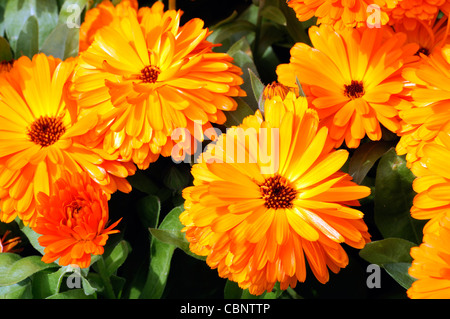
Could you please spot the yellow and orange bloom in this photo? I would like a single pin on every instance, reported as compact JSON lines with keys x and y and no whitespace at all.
{"x":429,"y":36}
{"x":432,"y":182}
{"x":73,"y":221}
{"x":431,"y":264}
{"x":341,"y":13}
{"x":103,"y":14}
{"x":146,"y":75}
{"x":411,"y":13}
{"x":269,"y":197}
{"x":353,"y":79}
{"x":39,"y":131}
{"x":276,"y":89}
{"x":7,"y":245}
{"x":427,"y":115}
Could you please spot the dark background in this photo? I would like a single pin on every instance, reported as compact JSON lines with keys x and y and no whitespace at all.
{"x":210,"y":11}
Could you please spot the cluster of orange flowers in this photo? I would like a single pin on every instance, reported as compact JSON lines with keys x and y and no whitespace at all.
{"x":360,"y":77}
{"x":72,"y":131}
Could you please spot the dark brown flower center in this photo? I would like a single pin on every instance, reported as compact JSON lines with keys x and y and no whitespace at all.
{"x":354,"y":90}
{"x":149,"y":74}
{"x":277,"y":192}
{"x":46,"y":131}
{"x":423,"y":51}
{"x":75,"y":212}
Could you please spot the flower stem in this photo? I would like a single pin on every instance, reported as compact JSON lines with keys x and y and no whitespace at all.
{"x":102,"y":272}
{"x":293,"y":294}
{"x":172,"y":4}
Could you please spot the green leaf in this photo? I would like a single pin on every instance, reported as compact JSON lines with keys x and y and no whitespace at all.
{"x":175,"y":178}
{"x":169,"y":232}
{"x":71,"y":12}
{"x":149,"y":208}
{"x":232,"y":30}
{"x":399,"y":271}
{"x":294,"y":27}
{"x":27,"y":42}
{"x":161,"y":256}
{"x":393,"y":254}
{"x":20,"y":290}
{"x":31,"y":235}
{"x":228,"y":19}
{"x":165,"y":239}
{"x":171,"y":237}
{"x":5,"y":50}
{"x":16,"y":15}
{"x":243,"y":57}
{"x":14,"y":269}
{"x":117,"y":257}
{"x":142,"y":182}
{"x":2,"y":17}
{"x":268,"y":62}
{"x":47,"y":283}
{"x":300,"y":88}
{"x":18,"y":12}
{"x":87,"y":287}
{"x":47,"y":16}
{"x":233,"y":291}
{"x":393,"y":199}
{"x":72,"y":294}
{"x":274,"y":14}
{"x":364,"y":158}
{"x":387,"y":251}
{"x":62,"y":42}
{"x":257,"y":88}
{"x":234,"y":118}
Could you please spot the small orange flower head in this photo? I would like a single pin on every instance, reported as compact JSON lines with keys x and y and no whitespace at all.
{"x":275,"y":89}
{"x":73,"y":221}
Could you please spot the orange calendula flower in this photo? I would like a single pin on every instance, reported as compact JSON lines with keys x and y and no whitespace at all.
{"x":353,"y":78}
{"x":73,"y":221}
{"x":342,"y":13}
{"x":100,"y":16}
{"x":432,"y":183}
{"x":269,"y":196}
{"x":39,"y":130}
{"x":7,"y":245}
{"x":276,"y":89}
{"x":431,"y":264}
{"x":146,"y":75}
{"x":428,"y":114}
{"x":428,"y":36}
{"x":410,"y":13}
